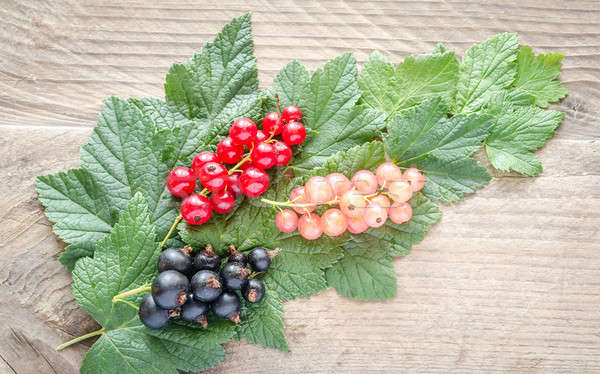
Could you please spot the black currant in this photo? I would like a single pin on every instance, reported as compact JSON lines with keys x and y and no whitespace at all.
{"x":169,"y":289}
{"x":151,"y":315}
{"x":227,"y":306}
{"x":176,"y":259}
{"x":236,"y":256}
{"x":195,"y":311}
{"x":207,"y":260}
{"x":234,"y":276}
{"x":253,"y":291}
{"x":206,"y":286}
{"x":260,"y":259}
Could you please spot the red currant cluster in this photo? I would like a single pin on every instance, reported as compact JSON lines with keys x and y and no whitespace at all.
{"x":248,"y":175}
{"x":364,"y":201}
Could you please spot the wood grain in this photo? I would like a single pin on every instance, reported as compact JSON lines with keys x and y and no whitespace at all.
{"x":508,"y":281}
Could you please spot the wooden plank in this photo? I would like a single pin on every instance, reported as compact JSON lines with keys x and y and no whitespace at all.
{"x":506,"y":282}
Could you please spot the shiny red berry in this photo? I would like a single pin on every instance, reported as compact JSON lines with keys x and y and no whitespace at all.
{"x":213,"y":176}
{"x":291,"y":113}
{"x":181,"y":181}
{"x":261,"y":136}
{"x":229,"y":152}
{"x":243,"y":131}
{"x":254,"y":181}
{"x":272,"y":123}
{"x":196,"y":209}
{"x":222,"y":201}
{"x":284,"y":153}
{"x":263,"y":155}
{"x":202,"y":158}
{"x":233,"y":183}
{"x":293,"y":133}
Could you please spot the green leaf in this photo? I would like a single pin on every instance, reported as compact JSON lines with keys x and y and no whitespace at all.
{"x":74,"y":252}
{"x":291,"y":84}
{"x":507,"y":156}
{"x":366,"y":156}
{"x":486,"y":69}
{"x":262,"y":322}
{"x":537,"y":76}
{"x":413,"y":81}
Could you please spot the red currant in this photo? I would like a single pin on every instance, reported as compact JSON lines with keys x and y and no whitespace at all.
{"x":213,"y":176}
{"x":254,"y":182}
{"x":245,"y":165}
{"x":284,"y":153}
{"x":293,"y":133}
{"x":181,"y":181}
{"x":291,"y":113}
{"x":243,"y":131}
{"x":196,"y":209}
{"x":222,"y":201}
{"x":263,"y":155}
{"x":272,"y":123}
{"x":202,"y":158}
{"x":233,"y":183}
{"x":261,"y":136}
{"x":229,"y":152}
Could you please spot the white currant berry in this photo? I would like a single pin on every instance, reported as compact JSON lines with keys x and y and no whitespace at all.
{"x":387,"y":173}
{"x":309,"y":226}
{"x":400,"y":191}
{"x":353,"y":203}
{"x":333,"y":222}
{"x":318,"y":190}
{"x":415,"y":177}
{"x":365,"y":182}
{"x":400,"y":212}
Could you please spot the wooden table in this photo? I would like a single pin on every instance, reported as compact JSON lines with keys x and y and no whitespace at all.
{"x":508,"y":281}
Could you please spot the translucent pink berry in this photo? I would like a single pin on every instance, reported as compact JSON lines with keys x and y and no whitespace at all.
{"x":339,"y":183}
{"x":286,"y":221}
{"x":309,"y":226}
{"x":381,"y":200}
{"x":375,"y":215}
{"x":400,"y":191}
{"x":365,"y":182}
{"x":298,"y":196}
{"x":353,"y":203}
{"x":415,"y":177}
{"x":400,"y":212}
{"x":318,"y":190}
{"x":387,"y":173}
{"x":356,"y":225}
{"x":334,"y":222}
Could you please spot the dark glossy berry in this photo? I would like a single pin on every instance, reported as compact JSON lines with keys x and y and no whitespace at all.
{"x":213,"y":176}
{"x":202,"y":158}
{"x":243,"y":131}
{"x":206,"y":286}
{"x":227,"y":306}
{"x":264,"y":155}
{"x":236,"y":256}
{"x":181,"y":181}
{"x":151,"y":315}
{"x":254,"y":182}
{"x":196,"y":209}
{"x":234,"y":276}
{"x":222,"y":201}
{"x":293,"y":133}
{"x":229,"y":152}
{"x":207,"y":260}
{"x":291,"y":113}
{"x":272,"y":123}
{"x":195,"y":311}
{"x":284,"y":153}
{"x":253,"y":291}
{"x":169,"y":289}
{"x":176,"y":259}
{"x":233,"y":183}
{"x":260,"y":259}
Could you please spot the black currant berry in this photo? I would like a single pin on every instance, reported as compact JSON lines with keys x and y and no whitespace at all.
{"x":260,"y":259}
{"x":169,"y":289}
{"x":227,"y":306}
{"x":206,"y":286}
{"x":195,"y":311}
{"x":207,"y":260}
{"x":151,"y":315}
{"x":176,"y":259}
{"x":236,"y":256}
{"x":234,"y":275}
{"x":253,"y":291}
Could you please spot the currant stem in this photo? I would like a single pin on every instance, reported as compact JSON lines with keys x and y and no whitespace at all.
{"x":80,"y":338}
{"x":128,"y":303}
{"x":146,"y":287}
{"x":204,"y":192}
{"x":237,"y":166}
{"x":277,"y":103}
{"x":179,"y":217}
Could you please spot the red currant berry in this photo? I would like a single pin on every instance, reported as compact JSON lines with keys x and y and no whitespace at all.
{"x":245,"y":165}
{"x":233,"y":183}
{"x":254,"y":181}
{"x":196,"y":209}
{"x":181,"y":181}
{"x":243,"y":131}
{"x":228,"y":152}
{"x":202,"y":158}
{"x":213,"y":176}
{"x":272,"y":123}
{"x":263,"y":155}
{"x":284,"y":153}
{"x":293,"y":133}
{"x":291,"y":113}
{"x":222,"y":201}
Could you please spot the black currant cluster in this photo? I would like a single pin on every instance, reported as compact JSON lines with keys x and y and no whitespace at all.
{"x":188,"y":287}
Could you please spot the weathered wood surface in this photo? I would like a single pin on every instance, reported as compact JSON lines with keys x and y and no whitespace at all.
{"x":508,"y":281}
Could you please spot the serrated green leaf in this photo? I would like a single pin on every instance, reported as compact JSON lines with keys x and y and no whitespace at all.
{"x":507,"y":156}
{"x":486,"y":69}
{"x":74,"y":252}
{"x":537,"y":76}
{"x":262,"y":322}
{"x":366,"y":156}
{"x":291,"y":84}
